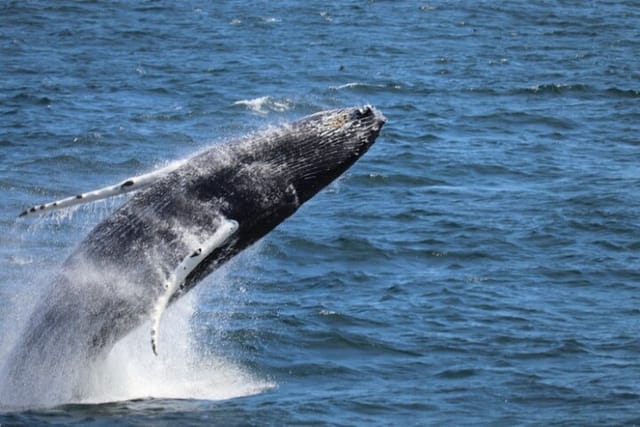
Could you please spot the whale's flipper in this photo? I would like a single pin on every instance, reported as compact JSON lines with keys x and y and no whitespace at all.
{"x":128,"y":185}
{"x":226,"y":229}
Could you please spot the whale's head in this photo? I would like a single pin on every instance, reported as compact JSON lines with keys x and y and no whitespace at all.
{"x":320,"y":147}
{"x":263,"y":179}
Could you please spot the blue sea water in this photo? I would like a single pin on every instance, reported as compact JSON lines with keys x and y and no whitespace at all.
{"x":480,"y":265}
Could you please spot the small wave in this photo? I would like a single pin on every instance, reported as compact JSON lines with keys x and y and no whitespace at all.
{"x":174,"y":116}
{"x":555,"y":88}
{"x":567,"y":88}
{"x":502,"y":117}
{"x":364,"y":86}
{"x":624,"y":93}
{"x":266,"y":104}
{"x":350,"y":85}
{"x":326,"y":16}
{"x":457,"y":373}
{"x":61,"y":160}
{"x":581,"y":88}
{"x":27,"y":98}
{"x":256,"y":20}
{"x":74,"y":162}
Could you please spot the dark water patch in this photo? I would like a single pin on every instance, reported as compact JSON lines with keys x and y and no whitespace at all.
{"x":351,"y":245}
{"x":623,"y":93}
{"x":161,"y":116}
{"x":345,"y":341}
{"x":346,"y":320}
{"x":559,"y":351}
{"x":81,"y":163}
{"x":633,"y":245}
{"x":457,"y":373}
{"x":522,"y":118}
{"x":62,"y":160}
{"x":409,"y":215}
{"x":321,"y":368}
{"x":546,"y":394}
{"x":623,"y":343}
{"x":66,"y":32}
{"x":22,"y":99}
{"x":395,"y":180}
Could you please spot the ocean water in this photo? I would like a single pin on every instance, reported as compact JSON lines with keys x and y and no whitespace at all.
{"x":480,"y":265}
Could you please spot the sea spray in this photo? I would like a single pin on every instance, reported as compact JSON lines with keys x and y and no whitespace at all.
{"x":183,"y":370}
{"x":180,"y":371}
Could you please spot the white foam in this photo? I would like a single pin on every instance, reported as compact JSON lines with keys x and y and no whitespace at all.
{"x":131,"y":371}
{"x":264,"y":104}
{"x":360,"y":85}
{"x":20,"y":260}
{"x":349,"y":85}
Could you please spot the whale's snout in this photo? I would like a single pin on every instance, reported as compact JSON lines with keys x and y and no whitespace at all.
{"x":368,"y":112}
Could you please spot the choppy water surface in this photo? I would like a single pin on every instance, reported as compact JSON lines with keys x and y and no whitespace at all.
{"x":481,"y":264}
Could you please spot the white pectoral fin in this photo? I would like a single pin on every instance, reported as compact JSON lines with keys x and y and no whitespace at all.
{"x":128,"y":185}
{"x":226,"y":229}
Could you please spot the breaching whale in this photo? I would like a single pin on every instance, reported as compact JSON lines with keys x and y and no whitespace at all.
{"x":182,"y":223}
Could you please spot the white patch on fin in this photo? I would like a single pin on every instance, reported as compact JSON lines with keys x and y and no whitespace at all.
{"x":226,"y":229}
{"x":128,"y":185}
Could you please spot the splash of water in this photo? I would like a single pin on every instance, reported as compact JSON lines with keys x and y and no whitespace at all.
{"x":132,"y":371}
{"x":265,"y":104}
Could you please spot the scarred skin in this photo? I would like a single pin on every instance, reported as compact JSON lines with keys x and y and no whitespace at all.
{"x":110,"y":283}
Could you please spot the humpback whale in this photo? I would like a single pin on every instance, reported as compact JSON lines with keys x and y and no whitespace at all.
{"x":181,"y":223}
